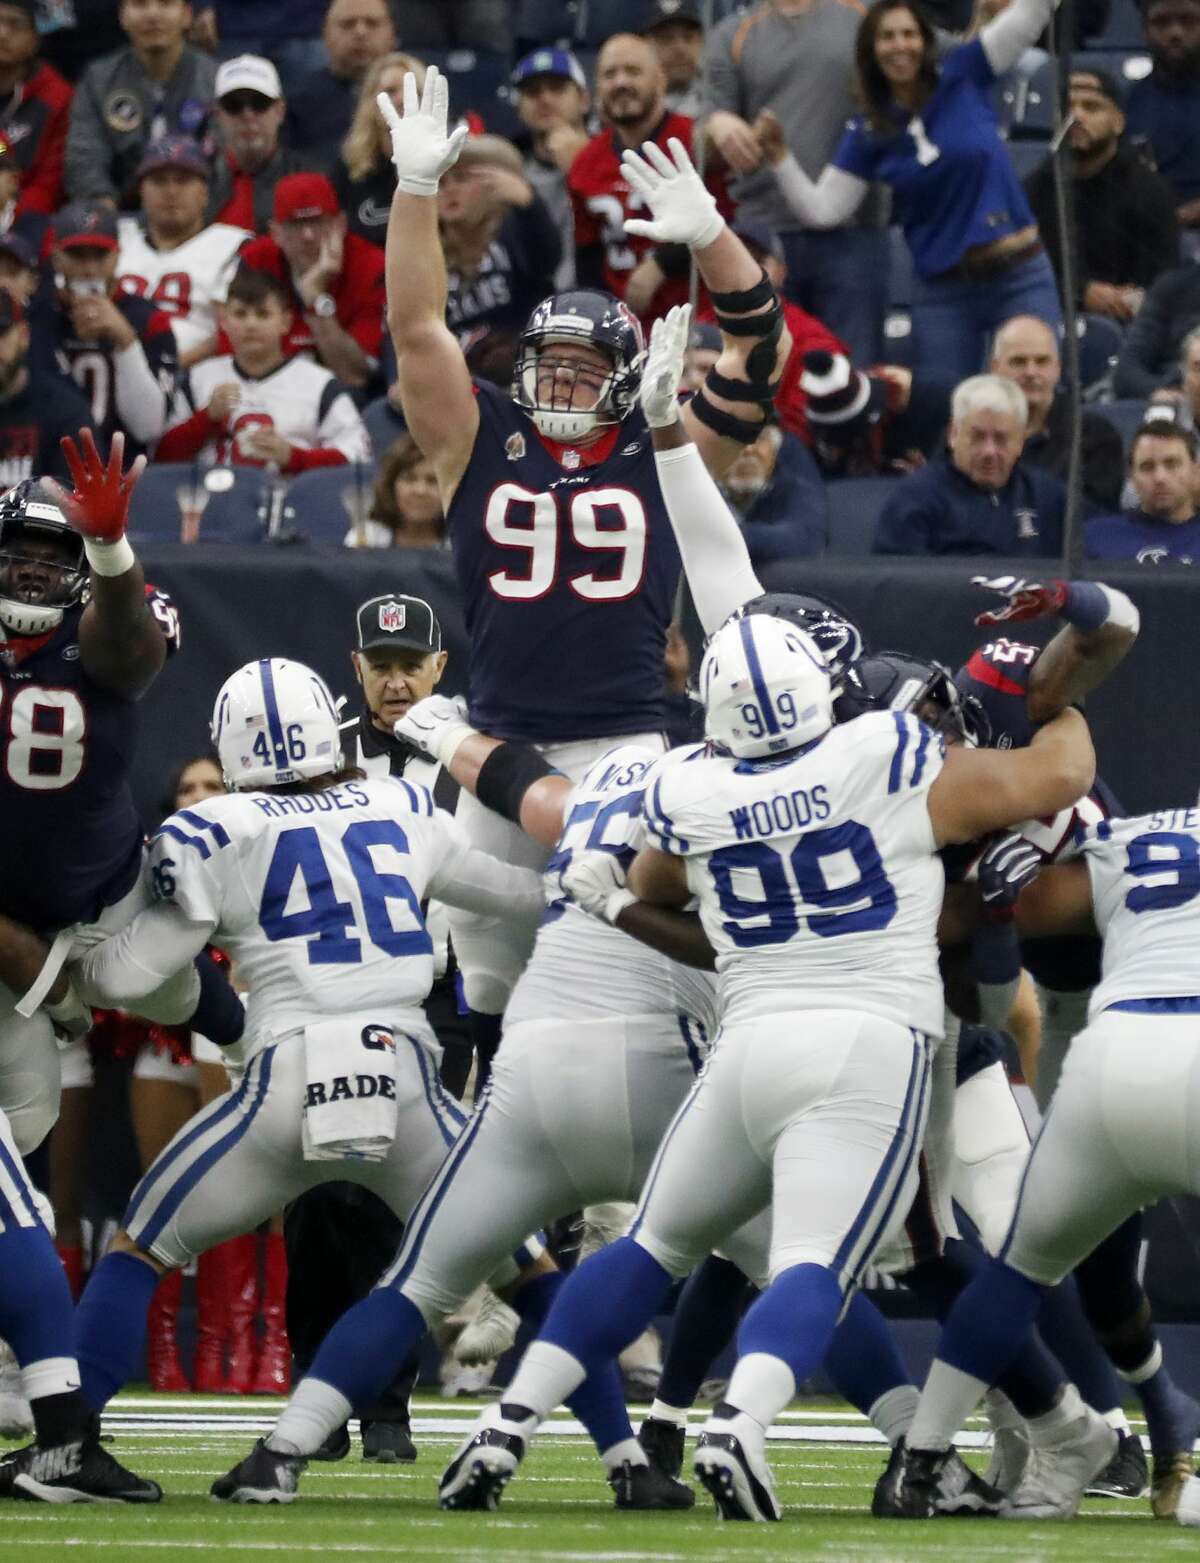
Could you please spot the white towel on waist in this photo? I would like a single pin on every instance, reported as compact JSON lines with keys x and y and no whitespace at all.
{"x":350,"y":1101}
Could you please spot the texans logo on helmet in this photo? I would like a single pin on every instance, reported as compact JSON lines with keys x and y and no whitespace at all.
{"x":378,"y":1039}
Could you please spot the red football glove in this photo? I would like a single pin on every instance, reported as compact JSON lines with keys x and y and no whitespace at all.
{"x":1022,"y":599}
{"x":98,"y":505}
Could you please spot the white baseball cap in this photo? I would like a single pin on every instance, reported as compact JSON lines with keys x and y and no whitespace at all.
{"x":248,"y":73}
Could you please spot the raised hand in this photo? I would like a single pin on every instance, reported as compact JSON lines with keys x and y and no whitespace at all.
{"x":98,"y":505}
{"x":1020,"y":599}
{"x":436,"y":726}
{"x":1008,"y":865}
{"x":422,"y":151}
{"x":684,"y":210}
{"x":659,"y":392}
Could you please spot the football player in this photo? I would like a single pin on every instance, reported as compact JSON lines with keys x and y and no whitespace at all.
{"x":563,"y":550}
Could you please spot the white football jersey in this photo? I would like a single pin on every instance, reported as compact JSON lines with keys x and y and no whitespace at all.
{"x":1145,"y":875}
{"x":817,"y":875}
{"x":299,"y":400}
{"x":316,"y":897}
{"x":582,"y":967}
{"x":186,"y":283}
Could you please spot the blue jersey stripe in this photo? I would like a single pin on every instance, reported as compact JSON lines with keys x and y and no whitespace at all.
{"x":217,"y":831}
{"x":182,"y":836}
{"x":421,"y":1218}
{"x":662,"y":820}
{"x":167,"y":1157}
{"x":898,"y":758}
{"x":919,"y":758}
{"x":20,"y":1178}
{"x":274,"y":725}
{"x":761,"y":692}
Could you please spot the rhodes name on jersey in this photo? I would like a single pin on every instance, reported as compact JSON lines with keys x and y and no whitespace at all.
{"x":580,"y":966}
{"x":568,"y":568}
{"x":816,"y":873}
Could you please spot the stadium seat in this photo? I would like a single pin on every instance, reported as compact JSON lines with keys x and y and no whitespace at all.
{"x":184,"y":502}
{"x":1026,"y":157}
{"x":854,"y":506}
{"x":478,"y":80}
{"x":600,"y":19}
{"x":541,"y":22}
{"x":321,"y":506}
{"x":1038,"y":118}
{"x":1008,"y":100}
{"x":1124,"y":29}
{"x":384,"y":425}
{"x":1125,"y":416}
{"x":900,"y":271}
{"x":1099,"y":344}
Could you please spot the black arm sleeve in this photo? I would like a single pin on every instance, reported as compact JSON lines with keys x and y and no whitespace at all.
{"x":507,"y":775}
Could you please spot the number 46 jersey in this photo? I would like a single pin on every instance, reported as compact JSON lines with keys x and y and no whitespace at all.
{"x":817,"y":873}
{"x":317,"y":897}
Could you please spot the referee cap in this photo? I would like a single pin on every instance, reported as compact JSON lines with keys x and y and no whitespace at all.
{"x":398,"y":621}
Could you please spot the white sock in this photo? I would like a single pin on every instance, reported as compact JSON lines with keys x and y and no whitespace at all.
{"x":627,"y":1450}
{"x":50,"y":1376}
{"x":949,"y":1397}
{"x":1117,"y":1419}
{"x":1059,"y":1422}
{"x":546,"y":1376}
{"x":676,"y":1415}
{"x":761,"y":1386}
{"x":1148,"y":1368}
{"x":892,"y":1413}
{"x":313,"y":1412}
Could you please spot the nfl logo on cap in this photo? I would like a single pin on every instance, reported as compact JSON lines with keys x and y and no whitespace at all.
{"x":392,"y":616}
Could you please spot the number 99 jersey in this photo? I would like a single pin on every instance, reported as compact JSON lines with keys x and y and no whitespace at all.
{"x":817,"y":873}
{"x":1145,"y":875}
{"x":568,"y":568}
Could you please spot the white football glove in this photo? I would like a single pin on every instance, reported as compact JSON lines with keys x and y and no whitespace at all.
{"x":684,"y":211}
{"x":436,"y":726}
{"x":659,"y":392}
{"x":421,"y":149}
{"x":595,"y":881}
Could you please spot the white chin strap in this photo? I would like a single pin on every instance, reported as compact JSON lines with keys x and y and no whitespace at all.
{"x":567,"y":426}
{"x":29,"y":618}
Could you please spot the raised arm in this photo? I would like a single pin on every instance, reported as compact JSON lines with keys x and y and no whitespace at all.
{"x":1007,"y":36}
{"x":435,"y":384}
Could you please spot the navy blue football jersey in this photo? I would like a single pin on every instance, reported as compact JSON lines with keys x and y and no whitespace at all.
{"x":998,"y":676}
{"x":568,"y":569}
{"x":70,"y":838}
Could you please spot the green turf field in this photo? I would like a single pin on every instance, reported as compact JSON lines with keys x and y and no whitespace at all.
{"x":558,"y":1510}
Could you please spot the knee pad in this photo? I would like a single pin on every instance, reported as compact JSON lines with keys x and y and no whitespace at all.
{"x":30,"y":1078}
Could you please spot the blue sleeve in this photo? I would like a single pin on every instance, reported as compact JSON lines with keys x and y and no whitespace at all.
{"x":903,"y":526}
{"x":969,"y":62}
{"x":855,"y":153}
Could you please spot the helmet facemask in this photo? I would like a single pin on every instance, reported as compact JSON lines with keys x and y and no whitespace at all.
{"x":558,"y":417}
{"x":43,"y":572}
{"x":581,"y":319}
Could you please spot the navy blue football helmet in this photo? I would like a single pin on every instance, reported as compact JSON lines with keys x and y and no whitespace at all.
{"x":38,"y":585}
{"x":597,"y":320}
{"x":894,"y":681}
{"x":838,"y":638}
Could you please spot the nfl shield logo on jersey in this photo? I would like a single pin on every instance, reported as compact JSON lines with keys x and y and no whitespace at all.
{"x":392,"y":616}
{"x":378,"y":1039}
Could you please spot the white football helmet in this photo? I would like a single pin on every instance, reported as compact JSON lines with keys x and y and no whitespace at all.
{"x":274,"y":721}
{"x":765,"y":688}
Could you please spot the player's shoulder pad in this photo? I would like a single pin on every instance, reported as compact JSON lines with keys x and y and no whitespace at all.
{"x":204,"y":830}
{"x":1117,"y":833}
{"x":409,"y":797}
{"x":678,"y":786}
{"x":897,"y":741}
{"x":1003,"y":665}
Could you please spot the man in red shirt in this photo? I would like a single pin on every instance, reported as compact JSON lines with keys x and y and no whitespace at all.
{"x":336,"y":279}
{"x":36,"y":108}
{"x":630,"y":95}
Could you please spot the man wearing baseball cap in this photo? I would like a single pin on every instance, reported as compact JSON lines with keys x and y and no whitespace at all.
{"x":249,"y":120}
{"x":157,"y":86}
{"x":168,"y":254}
{"x":336,"y":278}
{"x":677,"y":33}
{"x":552,"y":104}
{"x":36,"y":408}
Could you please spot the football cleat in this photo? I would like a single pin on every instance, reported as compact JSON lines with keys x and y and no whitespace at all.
{"x":1171,"y":1474}
{"x":663,"y":1443}
{"x":1173,"y":1428}
{"x":489,"y":1334}
{"x":388,"y":1443}
{"x":1010,"y":1443}
{"x":80,"y":1472}
{"x":927,"y":1484}
{"x":646,"y":1487}
{"x":262,"y":1477}
{"x":335,"y":1447}
{"x":1188,"y":1510}
{"x":485,"y":1464}
{"x":1057,"y":1474}
{"x":16,"y":1419}
{"x":731,"y":1464}
{"x":1126,"y":1475}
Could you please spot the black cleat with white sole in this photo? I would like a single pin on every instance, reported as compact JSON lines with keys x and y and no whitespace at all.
{"x":663,"y":1443}
{"x":481,"y":1470}
{"x":926,"y":1484}
{"x":646,"y":1487}
{"x":262,"y":1477}
{"x":734,"y":1474}
{"x":81,"y":1472}
{"x":1126,"y":1475}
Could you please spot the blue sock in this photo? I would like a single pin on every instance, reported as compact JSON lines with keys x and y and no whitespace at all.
{"x":110,"y":1325}
{"x":368,"y":1346}
{"x":863,"y":1359}
{"x":607,"y":1302}
{"x":1066,"y":1332}
{"x":219,"y":1014}
{"x":706,"y":1315}
{"x":990,"y":1323}
{"x":37,"y":1314}
{"x":794,"y":1319}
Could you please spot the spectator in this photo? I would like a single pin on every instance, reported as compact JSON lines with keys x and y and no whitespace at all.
{"x":36,"y":409}
{"x":1165,"y":525}
{"x":775,"y":490}
{"x":630,"y":94}
{"x":1149,"y":357}
{"x":863,"y":425}
{"x":76,"y":32}
{"x":552,"y":105}
{"x":406,"y":508}
{"x":1182,"y":405}
{"x":499,"y":241}
{"x":979,"y":498}
{"x":157,"y":86}
{"x":795,"y":60}
{"x":677,"y":33}
{"x":169,"y":255}
{"x":356,"y":34}
{"x":1164,"y":106}
{"x":20,"y":272}
{"x":249,"y":118}
{"x":1125,"y":228}
{"x":364,"y":177}
{"x":287,"y":32}
{"x":118,"y":349}
{"x":257,"y":406}
{"x":458,"y":24}
{"x":335,"y":278}
{"x":703,"y":350}
{"x":930,"y":133}
{"x":1026,"y":352}
{"x":37,"y":109}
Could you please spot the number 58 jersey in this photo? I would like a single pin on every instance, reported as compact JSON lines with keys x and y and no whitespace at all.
{"x":817,"y":873}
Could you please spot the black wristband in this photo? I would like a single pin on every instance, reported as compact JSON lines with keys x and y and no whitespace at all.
{"x":762,"y":292}
{"x":724,"y":423}
{"x":507,"y":775}
{"x":760,"y":391}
